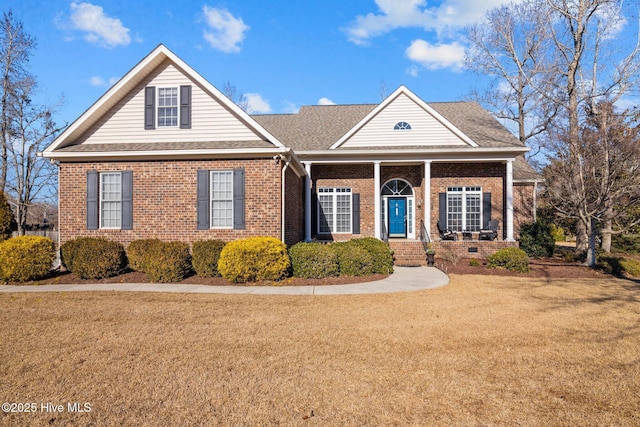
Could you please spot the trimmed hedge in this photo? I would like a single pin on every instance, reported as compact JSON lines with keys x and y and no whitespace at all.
{"x":353,"y":259}
{"x":93,"y":257}
{"x":513,"y":259}
{"x":313,"y":260}
{"x":205,"y":257}
{"x":137,"y":253}
{"x":254,"y":259}
{"x":26,"y":258}
{"x":536,"y":239}
{"x":167,"y":262}
{"x":382,"y":258}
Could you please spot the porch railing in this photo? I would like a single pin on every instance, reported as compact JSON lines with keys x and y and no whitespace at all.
{"x":424,"y":236}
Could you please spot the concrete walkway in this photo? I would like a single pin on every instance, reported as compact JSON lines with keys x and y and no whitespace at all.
{"x":403,"y":279}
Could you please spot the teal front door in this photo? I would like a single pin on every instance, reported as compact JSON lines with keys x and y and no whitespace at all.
{"x":397,"y":216}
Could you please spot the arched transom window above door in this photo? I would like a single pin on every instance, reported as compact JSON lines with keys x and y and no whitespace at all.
{"x":397,"y":187}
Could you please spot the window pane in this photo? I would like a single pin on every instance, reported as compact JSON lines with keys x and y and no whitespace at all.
{"x":110,"y":200}
{"x":168,"y":106}
{"x":325,"y":213}
{"x":343,"y":213}
{"x":454,"y":211}
{"x":473,"y":215}
{"x":221,"y":183}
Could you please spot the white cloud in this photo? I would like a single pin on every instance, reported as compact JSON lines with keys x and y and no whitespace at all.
{"x":98,"y":27}
{"x":413,"y":71}
{"x":99,"y":81}
{"x":325,"y":101}
{"x":289,"y":107}
{"x":256,"y":104}
{"x":436,"y":56}
{"x":225,"y":32}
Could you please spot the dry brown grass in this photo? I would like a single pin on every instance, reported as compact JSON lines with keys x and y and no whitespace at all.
{"x":482,"y":351}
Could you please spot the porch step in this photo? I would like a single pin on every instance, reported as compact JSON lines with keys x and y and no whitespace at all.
{"x":408,"y":252}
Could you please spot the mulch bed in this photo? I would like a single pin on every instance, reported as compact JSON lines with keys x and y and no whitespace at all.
{"x":544,"y":267}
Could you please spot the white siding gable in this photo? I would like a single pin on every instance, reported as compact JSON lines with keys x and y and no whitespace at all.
{"x":210,"y":120}
{"x":426,"y":129}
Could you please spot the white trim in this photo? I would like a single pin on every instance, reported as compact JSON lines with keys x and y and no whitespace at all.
{"x":130,"y":80}
{"x":509,"y":201}
{"x":100,"y":200}
{"x":377,"y":223}
{"x":334,"y":212}
{"x":177,"y":107}
{"x":427,"y":196}
{"x":307,"y":202}
{"x":211,"y":200}
{"x":402,"y":90}
{"x":410,"y":207}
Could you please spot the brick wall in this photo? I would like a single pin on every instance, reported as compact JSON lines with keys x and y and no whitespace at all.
{"x":294,"y":207}
{"x":164,"y":200}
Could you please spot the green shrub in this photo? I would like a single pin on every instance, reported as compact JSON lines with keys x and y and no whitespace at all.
{"x":313,"y":260}
{"x":6,"y":218}
{"x":254,"y":259}
{"x":382,"y":258}
{"x":631,"y":267}
{"x":205,"y":256}
{"x":536,"y":239}
{"x":513,"y":259}
{"x":26,"y":258}
{"x":557,"y":233}
{"x":138,"y":251}
{"x":473,"y":262}
{"x":626,"y":243}
{"x":353,"y":260}
{"x":93,"y":257}
{"x":167,"y":262}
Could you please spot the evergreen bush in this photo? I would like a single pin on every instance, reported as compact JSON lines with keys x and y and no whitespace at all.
{"x":205,"y":257}
{"x":93,"y":257}
{"x":353,"y":260}
{"x":254,"y":259}
{"x":138,"y":252}
{"x":6,"y":218}
{"x":313,"y":260}
{"x":513,"y":259}
{"x":381,"y":256}
{"x":536,"y":239}
{"x":26,"y":258}
{"x":167,"y":262}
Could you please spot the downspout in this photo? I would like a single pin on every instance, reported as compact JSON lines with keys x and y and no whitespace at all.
{"x":282,"y":198}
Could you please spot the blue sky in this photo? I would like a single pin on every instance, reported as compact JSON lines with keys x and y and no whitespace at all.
{"x":280,"y":54}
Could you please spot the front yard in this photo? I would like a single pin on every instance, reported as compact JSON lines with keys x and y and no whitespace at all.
{"x":485,"y":350}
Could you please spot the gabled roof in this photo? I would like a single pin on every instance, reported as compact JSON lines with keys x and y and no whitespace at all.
{"x":127,"y":83}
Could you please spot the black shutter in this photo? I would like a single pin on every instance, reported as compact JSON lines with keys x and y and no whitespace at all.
{"x":442,"y":210}
{"x":238,"y":199}
{"x":92,"y":200}
{"x":127,"y":200}
{"x":486,"y":210}
{"x":314,"y":213}
{"x":185,"y":107}
{"x":203,"y":211}
{"x":355,"y":209}
{"x":150,"y":107}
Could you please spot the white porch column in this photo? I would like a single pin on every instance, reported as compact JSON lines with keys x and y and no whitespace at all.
{"x":509,"y":201}
{"x":307,"y":202}
{"x":376,"y":201}
{"x":427,"y":196}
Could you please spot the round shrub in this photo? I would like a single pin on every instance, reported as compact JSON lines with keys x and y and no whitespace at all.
{"x":138,"y":251}
{"x":205,"y":257}
{"x":26,"y":258}
{"x":382,"y":258}
{"x":313,"y":260}
{"x":254,"y":259}
{"x":167,"y":262}
{"x":93,"y":257}
{"x":513,"y":259}
{"x":353,"y":260}
{"x":536,"y":239}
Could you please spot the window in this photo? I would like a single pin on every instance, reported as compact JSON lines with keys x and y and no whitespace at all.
{"x":464,"y":208}
{"x":402,"y":126}
{"x":110,"y":200}
{"x":221,"y":199}
{"x":167,"y":106}
{"x":334,"y":210}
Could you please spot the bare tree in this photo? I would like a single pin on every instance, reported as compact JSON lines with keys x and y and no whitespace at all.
{"x":15,"y":50}
{"x":511,"y":46}
{"x":30,"y":176}
{"x":238,"y":98}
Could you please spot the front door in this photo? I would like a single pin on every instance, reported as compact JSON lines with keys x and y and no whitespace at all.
{"x":397,"y":216}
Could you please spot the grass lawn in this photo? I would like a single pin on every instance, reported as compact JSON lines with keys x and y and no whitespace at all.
{"x":485,"y":350}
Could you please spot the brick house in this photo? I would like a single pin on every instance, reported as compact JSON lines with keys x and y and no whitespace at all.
{"x":164,"y":154}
